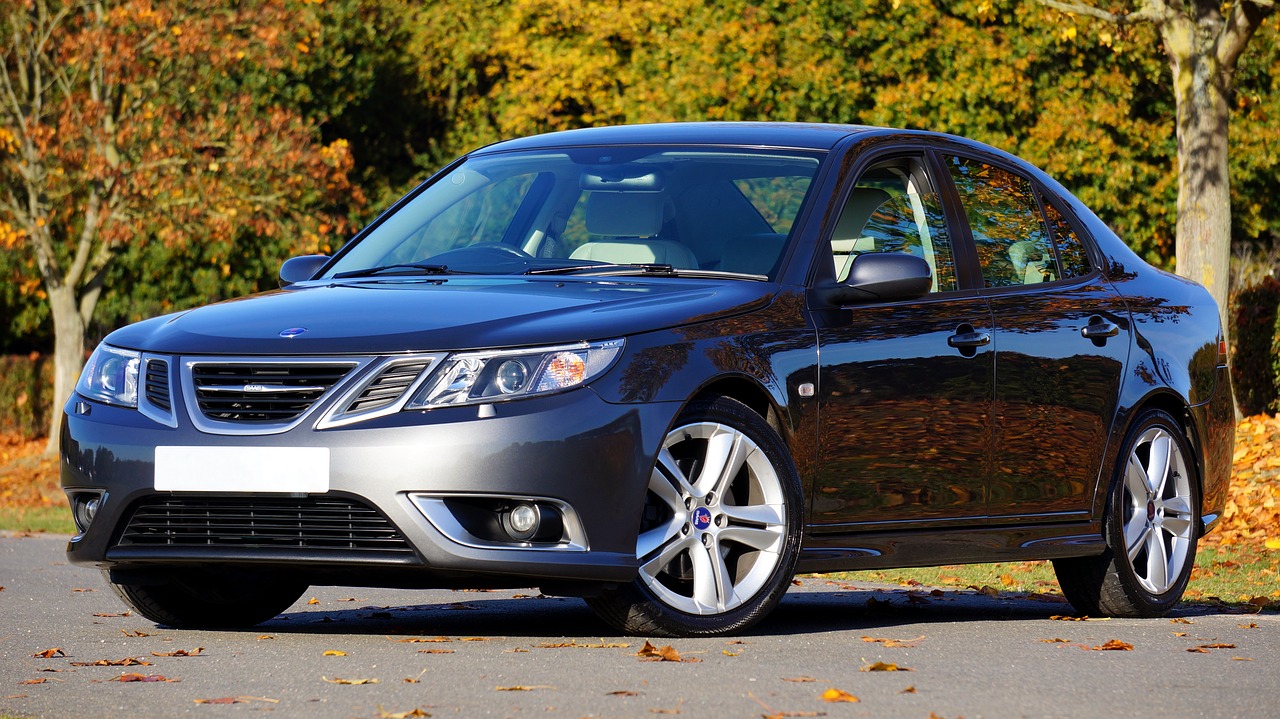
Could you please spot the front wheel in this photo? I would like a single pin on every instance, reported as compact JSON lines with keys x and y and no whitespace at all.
{"x":210,"y":601}
{"x":1151,"y":528}
{"x":720,"y":532}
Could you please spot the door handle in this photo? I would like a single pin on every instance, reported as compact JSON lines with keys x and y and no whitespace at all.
{"x":1101,"y":329}
{"x":961,"y":340}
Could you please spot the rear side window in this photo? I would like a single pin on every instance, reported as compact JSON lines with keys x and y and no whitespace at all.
{"x":1072,"y":256}
{"x":1011,"y":237}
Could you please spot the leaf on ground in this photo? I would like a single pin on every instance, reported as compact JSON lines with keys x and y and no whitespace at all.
{"x":884,"y":667}
{"x":265,"y":636}
{"x":113,"y":614}
{"x":799,"y":680}
{"x":479,"y":639}
{"x":1241,"y":659}
{"x":909,"y":690}
{"x":1050,"y":598}
{"x":1180,"y":620}
{"x":728,"y":653}
{"x":523,"y":688}
{"x":337,"y":680}
{"x":126,"y":662}
{"x":49,"y":653}
{"x":1204,"y":648}
{"x":420,"y":640}
{"x":135,"y":633}
{"x":1113,"y":645}
{"x":665,"y":653}
{"x":220,"y":700}
{"x":1081,"y":618}
{"x":908,"y":643}
{"x":313,"y":600}
{"x":876,"y":604}
{"x":986,"y":590}
{"x":83,"y":589}
{"x":836,"y":696}
{"x":1250,"y":625}
{"x":42,"y":680}
{"x":622,"y":693}
{"x":576,"y":645}
{"x":179,"y":653}
{"x":133,"y":677}
{"x":334,"y":653}
{"x":1056,"y":640}
{"x":437,"y":651}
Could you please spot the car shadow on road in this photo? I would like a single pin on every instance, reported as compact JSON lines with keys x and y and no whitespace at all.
{"x":802,"y":611}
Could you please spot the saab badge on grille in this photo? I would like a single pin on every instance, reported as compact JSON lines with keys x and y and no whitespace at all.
{"x":292,"y":331}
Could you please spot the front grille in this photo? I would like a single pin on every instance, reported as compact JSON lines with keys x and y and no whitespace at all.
{"x":388,"y":387}
{"x":328,"y":524}
{"x":157,"y":384}
{"x":263,"y":393}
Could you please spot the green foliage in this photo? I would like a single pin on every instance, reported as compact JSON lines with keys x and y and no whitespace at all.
{"x":1254,"y":362}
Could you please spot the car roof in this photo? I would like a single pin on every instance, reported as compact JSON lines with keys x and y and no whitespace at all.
{"x":795,"y":135}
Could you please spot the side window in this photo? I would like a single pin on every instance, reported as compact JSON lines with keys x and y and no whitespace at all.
{"x":1071,"y":253}
{"x":1009,"y":233}
{"x":894,"y":208}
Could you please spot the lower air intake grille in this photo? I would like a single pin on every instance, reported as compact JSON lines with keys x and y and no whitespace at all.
{"x":310,"y":523}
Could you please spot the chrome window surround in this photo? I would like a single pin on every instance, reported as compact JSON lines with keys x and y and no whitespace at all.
{"x":434,"y":509}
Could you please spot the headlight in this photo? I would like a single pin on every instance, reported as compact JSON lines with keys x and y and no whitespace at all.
{"x":111,"y":376}
{"x":480,"y":377}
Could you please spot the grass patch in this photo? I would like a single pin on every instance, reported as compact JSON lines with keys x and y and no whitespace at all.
{"x":37,"y":519}
{"x":1236,"y":575}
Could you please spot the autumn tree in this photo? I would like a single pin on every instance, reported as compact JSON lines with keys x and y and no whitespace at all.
{"x":126,"y":123}
{"x":1203,"y":41}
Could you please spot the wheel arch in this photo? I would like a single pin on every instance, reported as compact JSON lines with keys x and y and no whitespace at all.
{"x":1175,"y":406}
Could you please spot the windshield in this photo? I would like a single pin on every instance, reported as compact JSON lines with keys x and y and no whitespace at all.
{"x":680,"y":211}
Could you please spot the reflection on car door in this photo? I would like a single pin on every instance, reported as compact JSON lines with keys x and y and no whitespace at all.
{"x":905,"y":388}
{"x":1061,"y":340}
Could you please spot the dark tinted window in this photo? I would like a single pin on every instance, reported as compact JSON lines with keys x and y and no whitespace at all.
{"x":1011,"y":237}
{"x":1072,"y":256}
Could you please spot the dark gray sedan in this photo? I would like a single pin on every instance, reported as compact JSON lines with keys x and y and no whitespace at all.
{"x":665,"y":368}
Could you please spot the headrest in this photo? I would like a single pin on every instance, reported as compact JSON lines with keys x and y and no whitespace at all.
{"x":624,"y":214}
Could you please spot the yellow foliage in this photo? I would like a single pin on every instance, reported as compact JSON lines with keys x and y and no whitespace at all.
{"x":10,"y":236}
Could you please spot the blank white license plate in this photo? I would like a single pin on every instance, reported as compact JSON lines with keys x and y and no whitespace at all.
{"x":242,"y":469}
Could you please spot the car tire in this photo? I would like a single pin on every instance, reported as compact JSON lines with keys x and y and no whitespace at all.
{"x":717,"y":549}
{"x":1151,"y":528}
{"x":209,"y":601}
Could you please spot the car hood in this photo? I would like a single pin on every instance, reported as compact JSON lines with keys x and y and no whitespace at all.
{"x":427,"y":314}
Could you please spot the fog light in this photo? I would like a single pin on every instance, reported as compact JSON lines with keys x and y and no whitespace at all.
{"x":522,"y":521}
{"x":84,"y":507}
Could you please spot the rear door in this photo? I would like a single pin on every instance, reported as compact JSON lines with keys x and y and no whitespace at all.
{"x":1061,"y":343}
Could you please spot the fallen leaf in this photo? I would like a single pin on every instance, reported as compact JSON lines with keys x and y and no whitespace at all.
{"x":35,"y":681}
{"x":1056,"y":640}
{"x":1241,"y":659}
{"x":523,"y":688}
{"x":126,"y":662}
{"x":575,"y":645}
{"x":799,"y":680}
{"x":265,"y":636}
{"x":419,"y":640}
{"x":1179,"y":634}
{"x":835,"y":696}
{"x":728,"y":653}
{"x":135,"y":633}
{"x":1198,"y":650}
{"x":131,"y":677}
{"x":313,"y":600}
{"x":113,"y":614}
{"x":220,"y":700}
{"x":1250,"y":625}
{"x":437,"y":651}
{"x":336,"y":680}
{"x":79,"y":589}
{"x":334,"y":653}
{"x":1180,"y":620}
{"x":909,"y":690}
{"x":50,"y":653}
{"x":884,"y":667}
{"x":1082,"y":618}
{"x":1113,"y":645}
{"x":666,"y":653}
{"x":179,"y":653}
{"x":908,"y":643}
{"x":622,"y":693}
{"x":479,"y":639}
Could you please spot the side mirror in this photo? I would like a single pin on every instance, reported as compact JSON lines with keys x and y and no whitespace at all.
{"x":301,"y":269}
{"x":881,"y":277}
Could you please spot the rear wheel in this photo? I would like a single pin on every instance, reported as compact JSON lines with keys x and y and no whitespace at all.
{"x":210,"y":601}
{"x":1151,"y":528}
{"x":720,"y":533}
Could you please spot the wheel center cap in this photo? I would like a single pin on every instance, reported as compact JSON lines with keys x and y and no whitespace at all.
{"x":1151,"y":510}
{"x":701,"y":518}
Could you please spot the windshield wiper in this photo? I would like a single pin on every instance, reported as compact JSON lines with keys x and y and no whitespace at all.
{"x":642,"y":268}
{"x":425,"y":269}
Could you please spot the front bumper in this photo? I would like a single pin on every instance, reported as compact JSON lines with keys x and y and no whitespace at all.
{"x":576,"y":449}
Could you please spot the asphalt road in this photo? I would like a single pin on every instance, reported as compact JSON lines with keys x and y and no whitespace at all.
{"x":504,"y":654}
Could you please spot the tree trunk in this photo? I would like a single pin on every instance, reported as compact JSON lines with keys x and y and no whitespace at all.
{"x":68,"y":355}
{"x":1201,"y":87}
